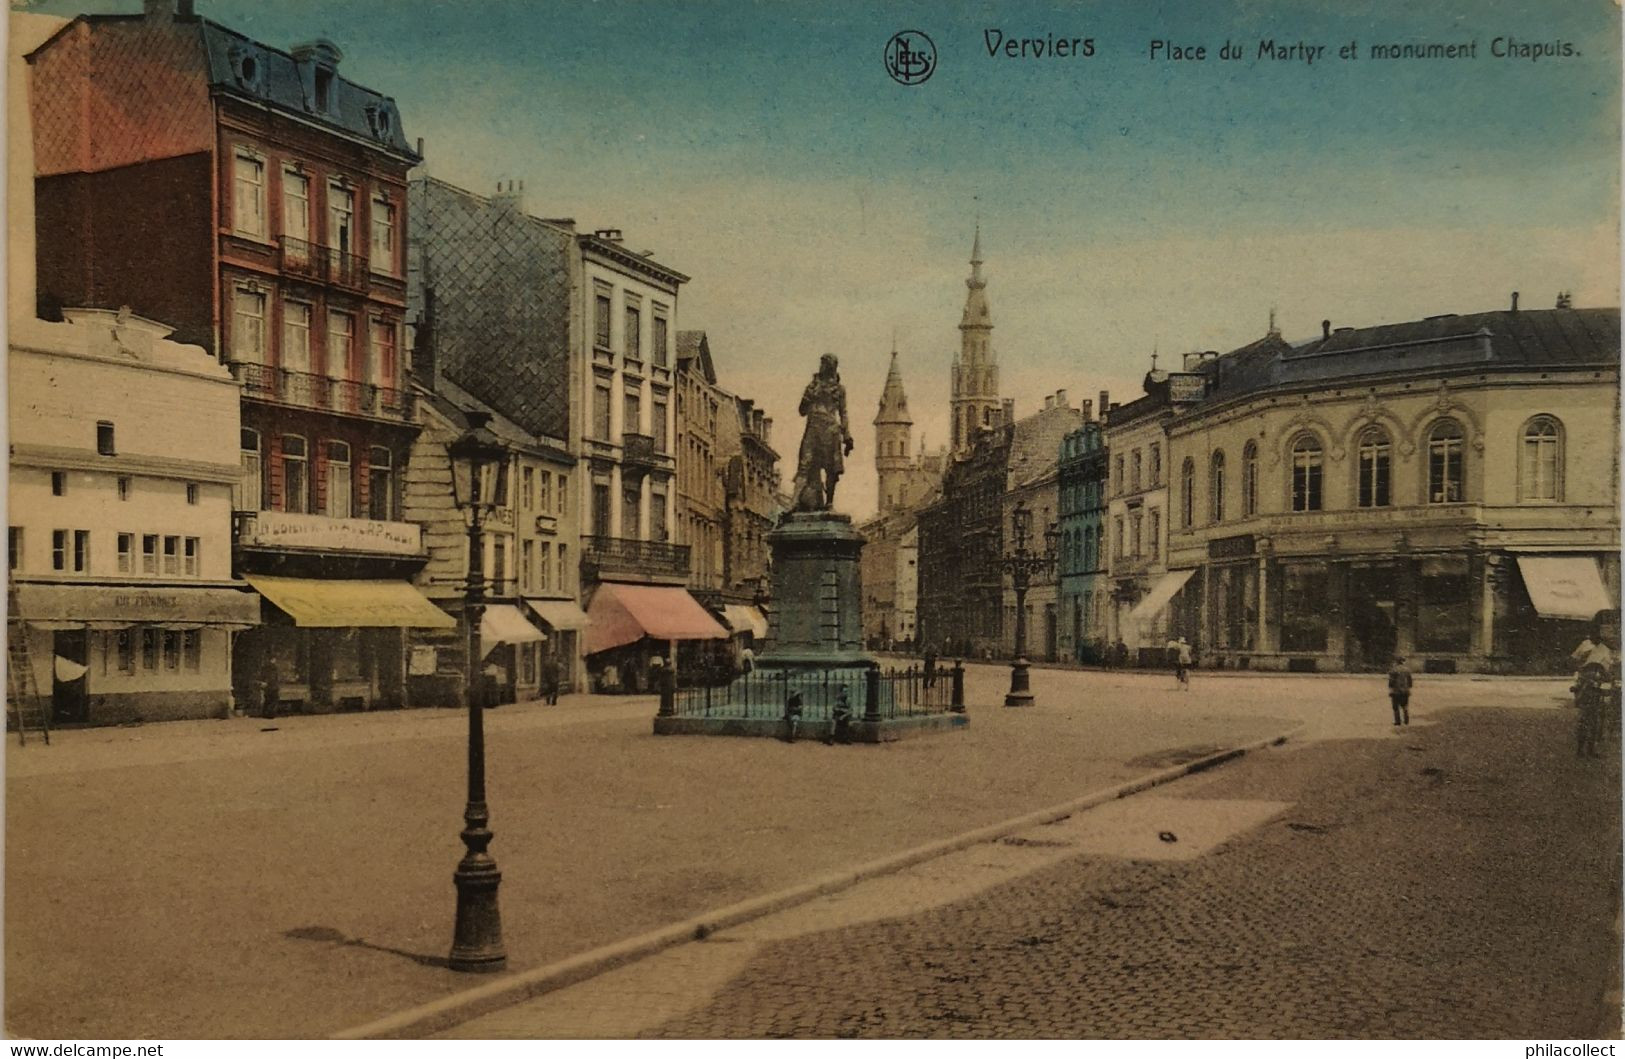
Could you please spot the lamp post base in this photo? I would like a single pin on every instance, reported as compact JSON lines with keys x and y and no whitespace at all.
{"x":477,"y":943}
{"x":1019,"y":694}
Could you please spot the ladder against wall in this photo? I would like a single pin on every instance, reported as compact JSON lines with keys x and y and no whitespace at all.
{"x":26,"y":708}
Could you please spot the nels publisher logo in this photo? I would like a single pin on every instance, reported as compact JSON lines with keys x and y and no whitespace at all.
{"x":911,"y":57}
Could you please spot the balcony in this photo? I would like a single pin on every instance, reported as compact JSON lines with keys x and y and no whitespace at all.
{"x":299,"y":389}
{"x":602,"y":555}
{"x":639,"y":456}
{"x":322,"y":264}
{"x":287,"y":530}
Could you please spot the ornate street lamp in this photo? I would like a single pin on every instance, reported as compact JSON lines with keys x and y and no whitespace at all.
{"x":479,"y":471}
{"x":1022,"y":565}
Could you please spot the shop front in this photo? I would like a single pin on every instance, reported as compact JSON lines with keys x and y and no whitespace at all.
{"x":337,"y":644}
{"x":1553,"y":602}
{"x":630,"y":625}
{"x":510,"y":655}
{"x":111,"y":654}
{"x":564,"y":622}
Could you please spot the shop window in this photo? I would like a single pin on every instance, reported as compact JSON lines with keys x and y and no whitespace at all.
{"x":1375,"y":468}
{"x":1215,"y":486}
{"x":1306,"y":473}
{"x":125,"y":644}
{"x":149,"y":649}
{"x":172,"y":649}
{"x":192,"y":649}
{"x":1444,"y":616}
{"x":1540,"y":465}
{"x":1446,"y":475}
{"x":527,"y":662}
{"x":1303,"y":607}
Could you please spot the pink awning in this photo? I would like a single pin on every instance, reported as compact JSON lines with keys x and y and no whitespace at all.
{"x":623,"y":614}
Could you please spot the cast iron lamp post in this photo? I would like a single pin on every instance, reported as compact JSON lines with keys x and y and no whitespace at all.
{"x":479,"y":466}
{"x":1022,"y":565}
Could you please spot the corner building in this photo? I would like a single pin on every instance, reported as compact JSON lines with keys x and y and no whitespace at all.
{"x":1444,"y":489}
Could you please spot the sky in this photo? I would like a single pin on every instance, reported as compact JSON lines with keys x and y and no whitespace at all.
{"x":1128,"y":204}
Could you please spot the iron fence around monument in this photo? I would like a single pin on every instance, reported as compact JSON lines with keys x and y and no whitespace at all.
{"x":765,"y":694}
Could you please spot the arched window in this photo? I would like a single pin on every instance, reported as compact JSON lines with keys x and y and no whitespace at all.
{"x":1540,"y":464}
{"x":1375,"y":465}
{"x":1249,"y":480}
{"x":1215,"y":487}
{"x":1447,"y":478}
{"x":1187,"y":493}
{"x":1306,"y":472}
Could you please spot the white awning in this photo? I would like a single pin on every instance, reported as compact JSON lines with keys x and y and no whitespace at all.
{"x":743,"y":619}
{"x":561,"y":615}
{"x":503,"y":623}
{"x":1160,"y":594}
{"x":1565,"y":586}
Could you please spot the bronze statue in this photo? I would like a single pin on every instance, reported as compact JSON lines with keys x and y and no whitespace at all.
{"x":826,"y":440}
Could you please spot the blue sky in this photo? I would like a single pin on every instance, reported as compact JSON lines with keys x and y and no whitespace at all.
{"x":1126,"y":204}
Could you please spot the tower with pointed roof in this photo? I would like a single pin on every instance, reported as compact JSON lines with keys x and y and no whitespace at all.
{"x":975,"y":396}
{"x":893,"y":428}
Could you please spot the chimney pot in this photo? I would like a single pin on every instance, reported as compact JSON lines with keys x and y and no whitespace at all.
{"x":1049,"y":401}
{"x":1325,"y":329}
{"x":1088,"y":410}
{"x":1105,"y":402}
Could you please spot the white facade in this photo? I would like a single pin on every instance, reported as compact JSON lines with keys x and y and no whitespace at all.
{"x":122,"y":465}
{"x":1136,"y":528}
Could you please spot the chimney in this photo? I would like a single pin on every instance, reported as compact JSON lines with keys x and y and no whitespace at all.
{"x":1325,"y":330}
{"x":1191,"y":360}
{"x":508,"y":198}
{"x":1088,"y":410}
{"x":1060,"y":399}
{"x":608,"y":235}
{"x":1514,"y":301}
{"x":1049,"y":401}
{"x":1009,"y":411}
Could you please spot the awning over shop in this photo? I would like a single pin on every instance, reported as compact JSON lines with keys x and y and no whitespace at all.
{"x":561,"y":615}
{"x":1160,"y":594}
{"x":623,"y":614}
{"x":108,"y":607}
{"x":1565,"y":586}
{"x":351,"y":604}
{"x":743,"y":619}
{"x":503,"y":623}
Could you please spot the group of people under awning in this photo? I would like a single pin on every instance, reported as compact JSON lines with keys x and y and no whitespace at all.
{"x":635,"y":632}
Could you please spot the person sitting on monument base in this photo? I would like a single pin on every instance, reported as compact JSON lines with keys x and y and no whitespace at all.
{"x":841,"y":729}
{"x":792,"y":716}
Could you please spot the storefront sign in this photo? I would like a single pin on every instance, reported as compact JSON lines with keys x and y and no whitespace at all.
{"x":424,"y":660}
{"x":207,"y":606}
{"x":1230,"y":547}
{"x":283,"y":529}
{"x":1186,"y":387}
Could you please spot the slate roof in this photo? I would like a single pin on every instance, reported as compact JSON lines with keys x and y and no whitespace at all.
{"x":1527,"y":338}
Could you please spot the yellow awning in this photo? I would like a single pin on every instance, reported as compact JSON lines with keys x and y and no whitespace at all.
{"x":562,"y":614}
{"x":351,"y":604}
{"x":503,"y":623}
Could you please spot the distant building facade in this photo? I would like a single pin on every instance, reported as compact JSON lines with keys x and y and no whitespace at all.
{"x":1082,"y":487}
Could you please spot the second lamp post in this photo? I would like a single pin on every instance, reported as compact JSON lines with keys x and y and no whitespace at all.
{"x":1022,"y":565}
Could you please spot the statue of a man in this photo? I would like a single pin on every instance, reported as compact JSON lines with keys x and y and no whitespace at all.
{"x":826,"y":440}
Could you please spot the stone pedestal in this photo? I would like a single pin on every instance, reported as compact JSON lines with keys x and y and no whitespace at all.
{"x":817,"y":617}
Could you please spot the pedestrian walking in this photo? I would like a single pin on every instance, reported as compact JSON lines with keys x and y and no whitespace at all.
{"x":1399,"y":691}
{"x":930,"y":665}
{"x":270,"y":690}
{"x":1181,"y":649}
{"x":550,"y":680}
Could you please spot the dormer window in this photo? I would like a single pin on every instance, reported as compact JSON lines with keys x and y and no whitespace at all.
{"x":324,"y":90}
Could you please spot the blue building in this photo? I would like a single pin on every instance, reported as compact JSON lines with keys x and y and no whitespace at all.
{"x":1082,"y":517}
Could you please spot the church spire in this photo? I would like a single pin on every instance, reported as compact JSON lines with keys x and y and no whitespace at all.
{"x":976,"y":282}
{"x":893,"y":401}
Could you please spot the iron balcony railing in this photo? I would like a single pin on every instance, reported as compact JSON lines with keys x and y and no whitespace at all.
{"x":301,"y":389}
{"x":624,"y":555}
{"x":324,"y":264}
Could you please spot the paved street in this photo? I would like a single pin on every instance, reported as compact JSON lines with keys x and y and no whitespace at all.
{"x":1454,"y":880}
{"x":224,"y":880}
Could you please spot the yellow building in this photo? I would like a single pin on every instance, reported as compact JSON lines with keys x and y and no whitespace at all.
{"x":1443,"y":489}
